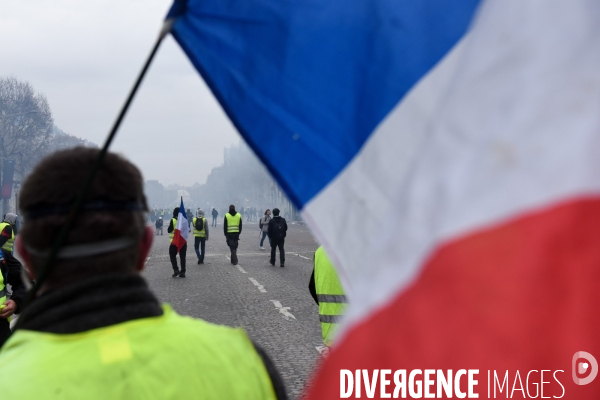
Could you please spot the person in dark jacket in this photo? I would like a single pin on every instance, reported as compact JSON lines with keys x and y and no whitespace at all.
{"x":232,"y":227}
{"x":10,"y":270}
{"x":215,"y":214}
{"x":277,"y":232}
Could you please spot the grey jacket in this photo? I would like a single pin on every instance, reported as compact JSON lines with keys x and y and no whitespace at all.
{"x":265,"y":222}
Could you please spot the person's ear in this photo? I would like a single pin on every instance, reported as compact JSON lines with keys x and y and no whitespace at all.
{"x":25,"y":256}
{"x":145,"y":246}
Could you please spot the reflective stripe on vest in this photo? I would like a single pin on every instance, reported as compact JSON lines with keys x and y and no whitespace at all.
{"x":198,"y":233}
{"x":233,"y":222}
{"x":174,"y":221}
{"x":10,"y":242}
{"x":330,"y":294}
{"x":132,"y":356}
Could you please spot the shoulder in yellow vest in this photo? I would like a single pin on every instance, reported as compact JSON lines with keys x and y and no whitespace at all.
{"x":166,"y":357}
{"x":8,"y":246}
{"x":172,"y":234}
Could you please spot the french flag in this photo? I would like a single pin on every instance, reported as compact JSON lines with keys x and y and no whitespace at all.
{"x":445,"y":153}
{"x":182,"y":230}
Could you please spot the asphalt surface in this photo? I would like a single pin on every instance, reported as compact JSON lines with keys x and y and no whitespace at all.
{"x":271,"y":303}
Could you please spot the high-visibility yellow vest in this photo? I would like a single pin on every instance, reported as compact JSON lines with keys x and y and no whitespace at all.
{"x":10,"y":242}
{"x":174,"y":220}
{"x":135,"y":360}
{"x":3,"y":291}
{"x":330,"y":294}
{"x":233,"y":222}
{"x":198,"y":233}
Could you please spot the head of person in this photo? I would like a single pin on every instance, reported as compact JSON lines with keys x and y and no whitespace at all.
{"x":276,"y":212}
{"x":267,"y":212}
{"x":10,"y":218}
{"x":231,"y":208}
{"x":176,"y":212}
{"x":110,"y":235}
{"x":200,"y":213}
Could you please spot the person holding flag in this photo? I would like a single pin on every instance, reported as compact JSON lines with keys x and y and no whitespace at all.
{"x":179,"y":229}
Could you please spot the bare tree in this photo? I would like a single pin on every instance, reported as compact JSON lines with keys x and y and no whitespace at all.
{"x":62,"y":140}
{"x":25,"y":124}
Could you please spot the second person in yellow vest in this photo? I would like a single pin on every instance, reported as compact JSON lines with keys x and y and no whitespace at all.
{"x":200,"y":235}
{"x":232,"y":227}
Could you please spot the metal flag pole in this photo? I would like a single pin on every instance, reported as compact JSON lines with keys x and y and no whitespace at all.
{"x":64,"y":232}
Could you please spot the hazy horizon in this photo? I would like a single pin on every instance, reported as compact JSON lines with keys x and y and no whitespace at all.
{"x":84,"y":57}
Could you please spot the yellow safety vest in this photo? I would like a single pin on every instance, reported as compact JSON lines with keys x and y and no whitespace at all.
{"x":135,"y":360}
{"x":3,"y":291}
{"x":10,"y":242}
{"x":198,"y":233}
{"x":330,"y":293}
{"x":174,"y":220}
{"x":233,"y":222}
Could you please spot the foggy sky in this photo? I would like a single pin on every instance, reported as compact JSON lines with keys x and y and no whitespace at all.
{"x":84,"y":56}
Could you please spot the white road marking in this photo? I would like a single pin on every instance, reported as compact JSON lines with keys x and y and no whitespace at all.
{"x":147,"y":259}
{"x":323,"y":350}
{"x":306,"y":258}
{"x":258,"y":285}
{"x":241,"y":269}
{"x":283,"y":310}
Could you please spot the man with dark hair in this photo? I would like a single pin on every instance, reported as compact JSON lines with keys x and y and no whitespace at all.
{"x":232,"y":227}
{"x":173,"y":248}
{"x":96,"y":331}
{"x":10,"y":273}
{"x":277,"y":232}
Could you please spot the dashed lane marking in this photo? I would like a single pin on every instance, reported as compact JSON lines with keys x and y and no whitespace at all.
{"x":258,"y":285}
{"x":265,"y":253}
{"x":283,"y":310}
{"x":323,"y":350}
{"x":241,"y":269}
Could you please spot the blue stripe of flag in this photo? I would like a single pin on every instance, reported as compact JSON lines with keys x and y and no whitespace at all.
{"x":307,"y":81}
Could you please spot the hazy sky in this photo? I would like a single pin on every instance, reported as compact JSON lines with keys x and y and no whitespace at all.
{"x":84,"y":56}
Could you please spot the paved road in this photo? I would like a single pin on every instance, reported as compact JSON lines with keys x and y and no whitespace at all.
{"x":271,"y":303}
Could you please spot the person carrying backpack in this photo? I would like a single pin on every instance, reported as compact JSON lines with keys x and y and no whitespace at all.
{"x":200,"y":235}
{"x":277,"y":232}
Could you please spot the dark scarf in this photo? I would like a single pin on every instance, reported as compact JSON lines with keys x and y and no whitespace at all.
{"x":92,"y":303}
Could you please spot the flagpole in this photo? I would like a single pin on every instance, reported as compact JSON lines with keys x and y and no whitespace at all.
{"x":64,"y":232}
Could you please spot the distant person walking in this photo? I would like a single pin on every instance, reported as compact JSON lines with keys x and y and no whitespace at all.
{"x":200,"y":235}
{"x":215,"y":214}
{"x":232,"y":227}
{"x":173,"y":248}
{"x":277,"y":232}
{"x":159,"y":226}
{"x":263,"y":224}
